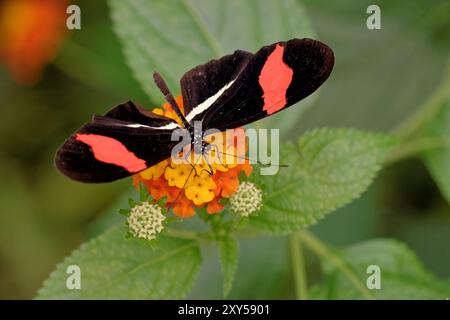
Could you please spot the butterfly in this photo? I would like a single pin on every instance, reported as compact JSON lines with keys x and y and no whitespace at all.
{"x":227,"y":93}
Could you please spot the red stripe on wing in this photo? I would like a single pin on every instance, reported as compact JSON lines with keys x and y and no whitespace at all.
{"x":274,"y":79}
{"x":109,"y":150}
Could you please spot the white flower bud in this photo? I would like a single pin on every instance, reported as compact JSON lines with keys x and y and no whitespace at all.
{"x":247,"y":199}
{"x":145,"y":220}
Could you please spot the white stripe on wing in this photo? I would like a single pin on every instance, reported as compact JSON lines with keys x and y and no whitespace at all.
{"x":202,"y":107}
{"x":169,"y":126}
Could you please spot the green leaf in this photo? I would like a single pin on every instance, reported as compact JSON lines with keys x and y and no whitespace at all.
{"x":115,"y":268}
{"x":328,"y":168}
{"x":438,"y":160}
{"x":174,"y":36}
{"x":270,"y":252}
{"x":228,"y":253}
{"x":402,"y":274}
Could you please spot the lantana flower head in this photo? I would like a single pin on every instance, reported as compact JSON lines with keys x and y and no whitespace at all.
{"x":31,"y":32}
{"x":145,"y":220}
{"x":202,"y":180}
{"x":247,"y":199}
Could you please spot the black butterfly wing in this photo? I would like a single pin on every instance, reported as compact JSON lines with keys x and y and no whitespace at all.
{"x":119,"y":144}
{"x":129,"y":111}
{"x":204,"y":81}
{"x":272,"y":79}
{"x":226,"y":93}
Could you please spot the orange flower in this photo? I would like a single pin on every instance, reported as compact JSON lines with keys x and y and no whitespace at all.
{"x":214,"y":206}
{"x":187,"y":186}
{"x":31,"y":32}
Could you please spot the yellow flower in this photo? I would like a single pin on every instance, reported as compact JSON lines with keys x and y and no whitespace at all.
{"x":177,"y":175}
{"x":154,"y":172}
{"x":201,"y":190}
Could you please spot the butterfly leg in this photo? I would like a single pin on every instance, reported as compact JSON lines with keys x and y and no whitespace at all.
{"x":172,"y":205}
{"x":186,"y":157}
{"x":211,"y":171}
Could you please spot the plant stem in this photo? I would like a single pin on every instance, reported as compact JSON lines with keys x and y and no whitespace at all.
{"x":325,"y":253}
{"x":428,"y":109}
{"x":298,"y":267}
{"x":416,"y":147}
{"x":183,"y":234}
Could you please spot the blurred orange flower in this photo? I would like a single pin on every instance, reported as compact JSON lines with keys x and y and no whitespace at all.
{"x":187,"y":188}
{"x":31,"y":32}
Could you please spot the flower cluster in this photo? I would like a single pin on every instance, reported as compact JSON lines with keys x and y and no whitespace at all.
{"x":31,"y":32}
{"x":247,"y":199}
{"x":145,"y":220}
{"x":200,"y":182}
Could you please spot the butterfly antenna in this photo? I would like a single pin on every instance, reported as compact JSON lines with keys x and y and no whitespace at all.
{"x":169,"y":97}
{"x":253,"y":161}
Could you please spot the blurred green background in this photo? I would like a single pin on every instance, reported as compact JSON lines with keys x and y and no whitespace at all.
{"x":380,"y":78}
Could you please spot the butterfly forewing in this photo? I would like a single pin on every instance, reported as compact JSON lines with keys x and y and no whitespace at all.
{"x":108,"y":148}
{"x":128,"y":111}
{"x":276,"y":77}
{"x":202,"y":83}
